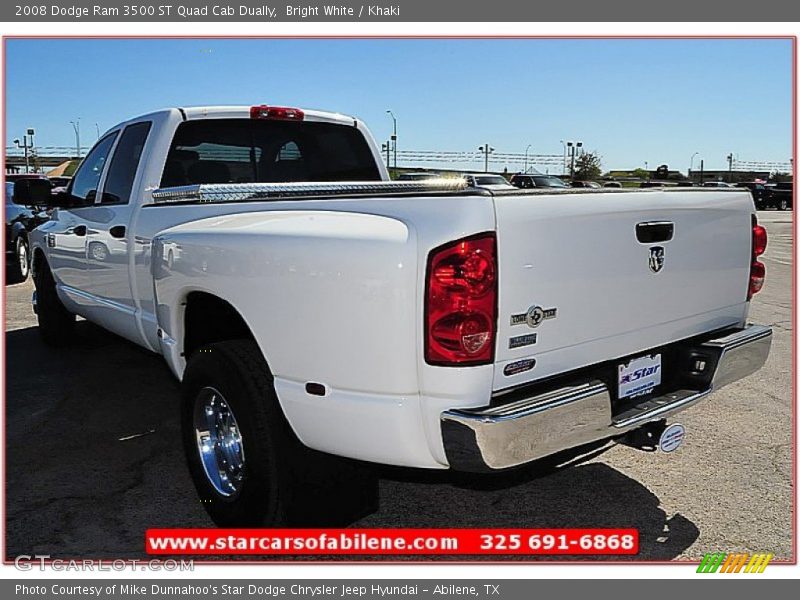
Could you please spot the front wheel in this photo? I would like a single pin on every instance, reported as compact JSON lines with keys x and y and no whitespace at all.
{"x":56,"y":323}
{"x":19,"y":268}
{"x":236,"y":439}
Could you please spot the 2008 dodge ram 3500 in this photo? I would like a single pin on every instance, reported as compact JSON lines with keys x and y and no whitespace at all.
{"x":306,"y":301}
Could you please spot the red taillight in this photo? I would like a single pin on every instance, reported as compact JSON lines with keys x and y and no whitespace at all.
{"x":278,"y":113}
{"x":461,"y":302}
{"x":757,"y":269}
{"x":759,"y":240}
{"x":757,"y":273}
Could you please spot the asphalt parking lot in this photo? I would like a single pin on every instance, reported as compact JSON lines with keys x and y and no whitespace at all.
{"x":93,"y":455}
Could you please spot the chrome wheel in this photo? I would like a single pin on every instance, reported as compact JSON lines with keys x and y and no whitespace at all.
{"x":219,"y":442}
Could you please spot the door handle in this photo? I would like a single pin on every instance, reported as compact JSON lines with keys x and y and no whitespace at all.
{"x":652,"y":232}
{"x":118,"y":231}
{"x":79,"y":230}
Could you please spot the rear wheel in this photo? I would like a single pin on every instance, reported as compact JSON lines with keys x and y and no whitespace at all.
{"x":56,"y":323}
{"x":236,"y":439}
{"x":17,"y":271}
{"x":248,"y":467}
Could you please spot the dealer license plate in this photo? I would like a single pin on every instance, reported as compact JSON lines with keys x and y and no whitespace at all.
{"x":639,"y":376}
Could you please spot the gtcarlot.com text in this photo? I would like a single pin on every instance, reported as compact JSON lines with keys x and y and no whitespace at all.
{"x":42,"y":562}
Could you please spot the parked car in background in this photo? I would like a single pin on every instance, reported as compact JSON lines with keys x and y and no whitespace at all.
{"x":780,"y":196}
{"x":718,"y":184}
{"x":653,"y":183}
{"x":12,"y":177}
{"x":488,"y":181}
{"x":758,"y":190}
{"x":585,"y":184}
{"x":528,"y":181}
{"x":612,"y":184}
{"x":420,"y":176}
{"x":21,"y":219}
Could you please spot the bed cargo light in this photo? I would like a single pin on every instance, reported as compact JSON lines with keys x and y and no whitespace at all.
{"x":461,"y":302}
{"x":277,"y":113}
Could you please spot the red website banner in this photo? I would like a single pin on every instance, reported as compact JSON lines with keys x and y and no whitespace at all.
{"x":391,"y":541}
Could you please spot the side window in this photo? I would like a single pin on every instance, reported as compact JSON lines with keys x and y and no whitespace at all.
{"x":84,"y":185}
{"x":124,"y":163}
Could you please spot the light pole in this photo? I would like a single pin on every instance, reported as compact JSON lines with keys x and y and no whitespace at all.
{"x":691,"y":163}
{"x":76,"y":126}
{"x":573,"y":148}
{"x":26,"y":146}
{"x":97,"y":128}
{"x":394,"y":135}
{"x":487,"y":150}
{"x":526,"y":157}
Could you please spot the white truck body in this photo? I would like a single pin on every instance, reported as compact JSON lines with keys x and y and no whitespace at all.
{"x":332,"y":288}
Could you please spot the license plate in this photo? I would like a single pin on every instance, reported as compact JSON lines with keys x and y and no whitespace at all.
{"x":639,"y":376}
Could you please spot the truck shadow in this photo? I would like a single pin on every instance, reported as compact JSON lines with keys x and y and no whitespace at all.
{"x":94,"y":458}
{"x":593,"y":495}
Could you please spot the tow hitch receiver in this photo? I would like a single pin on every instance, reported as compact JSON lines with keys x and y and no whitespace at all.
{"x":655,"y":436}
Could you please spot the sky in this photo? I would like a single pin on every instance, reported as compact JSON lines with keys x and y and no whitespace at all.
{"x":631,"y":101}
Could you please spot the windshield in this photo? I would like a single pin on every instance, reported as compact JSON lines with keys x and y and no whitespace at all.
{"x":261,"y":151}
{"x":490,"y":180}
{"x":549,"y":182}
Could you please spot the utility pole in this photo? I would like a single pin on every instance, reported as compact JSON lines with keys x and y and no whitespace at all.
{"x":487,"y":150}
{"x":76,"y":126}
{"x":730,"y":167}
{"x":702,"y":164}
{"x":394,"y":135}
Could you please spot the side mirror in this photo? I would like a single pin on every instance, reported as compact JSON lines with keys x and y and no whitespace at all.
{"x":33,"y":192}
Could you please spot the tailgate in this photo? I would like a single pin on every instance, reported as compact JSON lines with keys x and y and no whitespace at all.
{"x":579,"y":285}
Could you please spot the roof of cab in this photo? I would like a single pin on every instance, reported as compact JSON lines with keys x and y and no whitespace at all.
{"x":243,"y":112}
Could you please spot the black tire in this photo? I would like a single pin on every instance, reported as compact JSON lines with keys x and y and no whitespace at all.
{"x":17,"y":271}
{"x":56,"y":323}
{"x":237,"y":370}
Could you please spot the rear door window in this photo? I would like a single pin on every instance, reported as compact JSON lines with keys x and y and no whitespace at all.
{"x":260,"y":151}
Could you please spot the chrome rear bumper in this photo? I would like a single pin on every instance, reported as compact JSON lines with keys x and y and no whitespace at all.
{"x":516,"y":432}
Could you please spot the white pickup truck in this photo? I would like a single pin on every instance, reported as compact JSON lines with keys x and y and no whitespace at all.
{"x":306,"y":301}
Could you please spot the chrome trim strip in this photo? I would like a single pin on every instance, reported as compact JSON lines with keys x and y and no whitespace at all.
{"x":662,"y":411}
{"x":237,"y":192}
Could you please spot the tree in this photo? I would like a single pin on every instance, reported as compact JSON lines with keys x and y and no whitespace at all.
{"x":588,"y":166}
{"x":641,"y":173}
